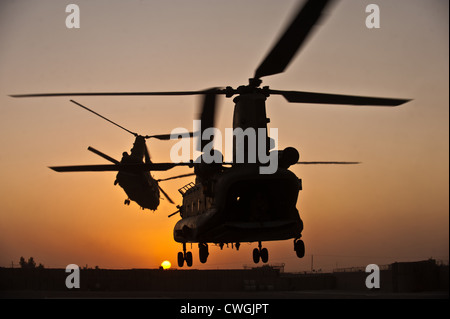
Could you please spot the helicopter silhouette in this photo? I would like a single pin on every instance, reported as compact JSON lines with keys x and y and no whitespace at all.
{"x":136,"y":181}
{"x":232,"y":203}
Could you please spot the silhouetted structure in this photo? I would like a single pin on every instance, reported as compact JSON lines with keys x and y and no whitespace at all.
{"x":405,"y":277}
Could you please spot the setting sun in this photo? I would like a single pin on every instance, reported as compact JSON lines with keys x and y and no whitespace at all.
{"x":166,"y":264}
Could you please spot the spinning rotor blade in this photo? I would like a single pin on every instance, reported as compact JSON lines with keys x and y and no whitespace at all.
{"x":114,"y":94}
{"x":292,"y":39}
{"x":109,"y":158}
{"x":119,"y":167}
{"x":147,"y":155}
{"x":174,"y":213}
{"x":207,"y":115}
{"x":86,"y":168}
{"x":166,"y":195}
{"x":88,"y":109}
{"x":276,"y":61}
{"x":166,"y":137}
{"x":321,"y":162}
{"x":324,"y":98}
{"x":163,"y":137}
{"x":175,"y":177}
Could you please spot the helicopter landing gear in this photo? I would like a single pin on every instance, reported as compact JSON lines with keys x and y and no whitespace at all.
{"x":299,"y":247}
{"x":260,"y":253}
{"x":127,"y":202}
{"x":203,"y":252}
{"x":184,"y":256}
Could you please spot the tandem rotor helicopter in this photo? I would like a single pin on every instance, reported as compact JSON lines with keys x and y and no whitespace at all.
{"x":232,"y":203}
{"x":133,"y":169}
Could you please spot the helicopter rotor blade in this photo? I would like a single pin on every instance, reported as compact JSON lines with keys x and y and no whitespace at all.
{"x":167,"y":137}
{"x":166,"y":195}
{"x":207,"y":115}
{"x":109,"y":158}
{"x":99,"y":115}
{"x":147,"y":157}
{"x":339,"y":99}
{"x":86,"y":168}
{"x":169,"y":93}
{"x":158,"y":136}
{"x":175,"y":177}
{"x":139,"y":167}
{"x":292,"y":39}
{"x":327,"y":163}
{"x":174,"y":213}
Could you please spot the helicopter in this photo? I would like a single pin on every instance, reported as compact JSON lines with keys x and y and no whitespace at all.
{"x":233,"y":203}
{"x":138,"y":184}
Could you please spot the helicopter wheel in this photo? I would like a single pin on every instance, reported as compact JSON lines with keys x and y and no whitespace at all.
{"x":260,"y":254}
{"x":264,"y":253}
{"x":184,"y":256}
{"x":203,"y":252}
{"x":256,"y":255}
{"x":299,"y":247}
{"x":127,"y":202}
{"x":188,"y":258}
{"x":180,"y":259}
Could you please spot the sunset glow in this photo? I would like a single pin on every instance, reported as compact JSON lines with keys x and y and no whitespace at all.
{"x":394,"y":206}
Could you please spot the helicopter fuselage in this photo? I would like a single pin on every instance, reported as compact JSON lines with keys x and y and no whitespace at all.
{"x":140,"y":187}
{"x":241,"y":205}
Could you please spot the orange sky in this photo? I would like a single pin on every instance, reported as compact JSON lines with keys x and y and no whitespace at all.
{"x":393,"y":207}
